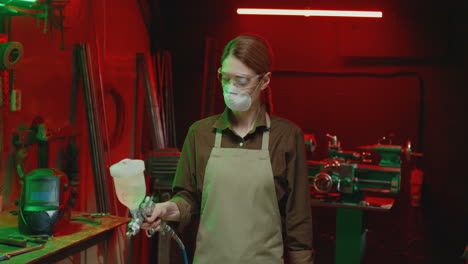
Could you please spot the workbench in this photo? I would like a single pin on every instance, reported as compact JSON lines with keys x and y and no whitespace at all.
{"x":76,"y":237}
{"x":350,"y":232}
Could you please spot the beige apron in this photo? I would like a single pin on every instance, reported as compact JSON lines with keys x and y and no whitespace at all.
{"x":240,"y":221}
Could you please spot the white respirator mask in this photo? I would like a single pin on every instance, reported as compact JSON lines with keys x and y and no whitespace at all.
{"x":237,"y":99}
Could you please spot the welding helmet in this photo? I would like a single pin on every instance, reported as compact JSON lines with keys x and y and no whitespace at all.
{"x":44,"y":202}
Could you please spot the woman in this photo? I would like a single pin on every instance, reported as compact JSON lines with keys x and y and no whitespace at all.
{"x":243,"y":171}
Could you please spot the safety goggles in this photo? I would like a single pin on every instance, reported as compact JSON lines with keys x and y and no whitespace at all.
{"x":240,"y":80}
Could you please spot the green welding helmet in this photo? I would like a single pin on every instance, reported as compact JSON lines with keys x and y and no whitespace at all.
{"x":44,"y":202}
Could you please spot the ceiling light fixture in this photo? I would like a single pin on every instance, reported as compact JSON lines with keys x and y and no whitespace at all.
{"x":309,"y":12}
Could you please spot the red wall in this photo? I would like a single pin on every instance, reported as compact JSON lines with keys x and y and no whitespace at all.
{"x":115,"y":30}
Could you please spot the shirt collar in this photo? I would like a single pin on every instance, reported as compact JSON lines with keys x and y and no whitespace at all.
{"x":223,"y":121}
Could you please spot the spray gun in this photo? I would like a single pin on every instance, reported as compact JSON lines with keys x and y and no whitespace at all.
{"x":138,"y":217}
{"x":130,"y":187}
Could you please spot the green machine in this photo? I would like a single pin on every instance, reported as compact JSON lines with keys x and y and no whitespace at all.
{"x":354,"y":182}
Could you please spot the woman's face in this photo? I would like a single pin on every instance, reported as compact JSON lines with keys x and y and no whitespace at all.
{"x":234,"y":71}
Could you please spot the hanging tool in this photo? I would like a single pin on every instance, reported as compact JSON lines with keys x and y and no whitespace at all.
{"x":83,"y":73}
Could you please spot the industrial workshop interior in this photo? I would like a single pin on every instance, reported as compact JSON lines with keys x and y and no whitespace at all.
{"x":233,"y":132}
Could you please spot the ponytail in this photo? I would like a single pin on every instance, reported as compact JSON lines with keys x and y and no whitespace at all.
{"x":267,"y":100}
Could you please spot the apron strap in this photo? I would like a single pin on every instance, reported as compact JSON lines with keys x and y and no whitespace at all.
{"x":219,"y":134}
{"x":266,"y":134}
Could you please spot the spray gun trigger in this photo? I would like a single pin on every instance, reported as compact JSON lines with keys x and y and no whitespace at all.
{"x":145,"y":202}
{"x":147,"y":206}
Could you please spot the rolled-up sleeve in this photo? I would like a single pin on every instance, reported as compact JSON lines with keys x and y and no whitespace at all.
{"x":298,"y":219}
{"x":184,"y":185}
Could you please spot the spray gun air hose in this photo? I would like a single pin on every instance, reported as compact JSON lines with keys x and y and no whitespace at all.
{"x":167,"y":229}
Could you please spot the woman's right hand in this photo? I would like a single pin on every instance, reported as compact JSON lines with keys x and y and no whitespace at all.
{"x":162,"y":211}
